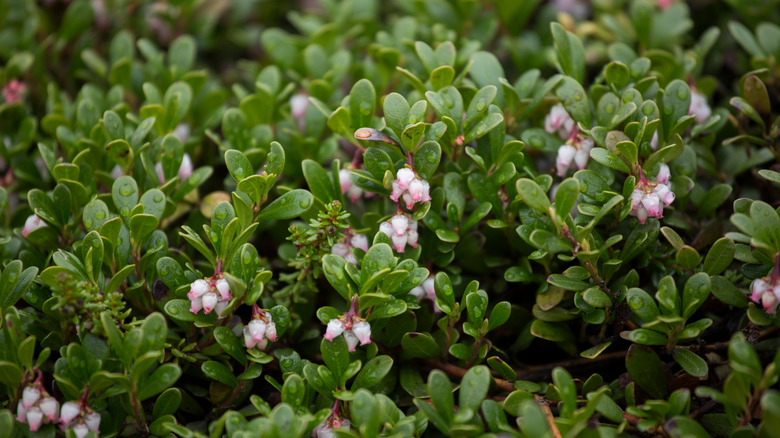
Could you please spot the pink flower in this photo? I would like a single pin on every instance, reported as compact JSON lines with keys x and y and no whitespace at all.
{"x":360,"y":241}
{"x":558,"y":120}
{"x":348,"y":187}
{"x":654,"y":141}
{"x":32,"y":223}
{"x":699,"y":107}
{"x":182,"y":132}
{"x":401,"y":230}
{"x":185,"y":169}
{"x":663,"y":4}
{"x":21,"y":412}
{"x":196,"y":305}
{"x":576,"y":8}
{"x":13,"y":91}
{"x":80,"y":430}
{"x":404,"y":177}
{"x":409,"y":187}
{"x":565,"y":156}
{"x":260,"y":330}
{"x":649,"y":198}
{"x":663,"y":174}
{"x":427,"y":290}
{"x":355,"y":329}
{"x":399,"y":223}
{"x":569,"y":155}
{"x":298,"y":105}
{"x":340,"y":249}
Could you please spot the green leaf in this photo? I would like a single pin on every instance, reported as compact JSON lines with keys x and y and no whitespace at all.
{"x":167,"y":403}
{"x":362,"y":99}
{"x":231,"y":344}
{"x":161,"y":379}
{"x":474,"y":387}
{"x":567,"y":390}
{"x":124,"y":192}
{"x":645,"y":337}
{"x":396,"y":109}
{"x":566,"y":197}
{"x":290,"y":205}
{"x":318,"y":180}
{"x":420,"y":345}
{"x":373,"y":372}
{"x":533,"y":195}
{"x":569,"y":52}
{"x":691,"y":362}
{"x":646,"y":369}
{"x":426,"y":159}
{"x":479,"y":104}
{"x":238,"y":165}
{"x":609,"y":159}
{"x":617,"y":74}
{"x":336,"y":356}
{"x":141,"y":227}
{"x":440,"y":389}
{"x":219,"y":372}
{"x":696,"y":291}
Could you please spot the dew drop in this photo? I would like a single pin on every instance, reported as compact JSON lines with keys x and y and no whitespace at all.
{"x":610,"y":108}
{"x":682,"y":93}
{"x":173,"y":311}
{"x":305,"y":203}
{"x":158,"y":198}
{"x":481,"y":105}
{"x":126,"y":190}
{"x":100,"y":214}
{"x":88,"y":223}
{"x":124,"y":211}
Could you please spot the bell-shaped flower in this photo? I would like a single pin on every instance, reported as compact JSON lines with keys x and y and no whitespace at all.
{"x":664,"y":173}
{"x":210,"y":300}
{"x":335,"y":328}
{"x":699,"y":107}
{"x":34,"y":418}
{"x":362,"y":330}
{"x":32,"y":223}
{"x":92,"y":420}
{"x":30,"y":396}
{"x":558,"y":120}
{"x":80,"y":430}
{"x":69,"y":411}
{"x":404,"y":177}
{"x":50,"y":407}
{"x":198,"y":288}
{"x":224,"y":289}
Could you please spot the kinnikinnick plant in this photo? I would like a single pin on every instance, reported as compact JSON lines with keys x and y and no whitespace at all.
{"x":355,"y":218}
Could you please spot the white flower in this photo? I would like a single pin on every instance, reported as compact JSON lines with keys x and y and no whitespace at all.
{"x":699,"y":107}
{"x":359,"y":241}
{"x":565,"y":156}
{"x":649,"y":199}
{"x":399,"y":222}
{"x":335,"y":328}
{"x":209,"y":302}
{"x":34,"y":418}
{"x":352,"y":340}
{"x":340,"y":249}
{"x":198,"y":288}
{"x":50,"y":407}
{"x":558,"y":120}
{"x":117,"y":172}
{"x":401,"y":230}
{"x":654,"y":141}
{"x":30,"y":396}
{"x":404,"y":177}
{"x":69,"y":411}
{"x":92,"y":421}
{"x":21,"y":412}
{"x":363,"y":332}
{"x":32,"y":223}
{"x":182,"y":132}
{"x":185,"y":169}
{"x":663,"y":174}
{"x":224,"y":289}
{"x":80,"y":430}
{"x":298,"y":105}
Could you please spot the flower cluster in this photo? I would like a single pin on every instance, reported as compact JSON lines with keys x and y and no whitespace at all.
{"x":649,"y":198}
{"x":354,"y":328}
{"x":260,"y":329}
{"x":80,"y":418}
{"x":558,"y":120}
{"x":209,"y":294}
{"x":13,"y":91}
{"x":32,"y":223}
{"x":334,"y":421}
{"x":578,"y":154}
{"x":345,"y":249}
{"x":402,"y":230}
{"x":766,"y":291}
{"x":36,"y":406}
{"x":411,"y":188}
{"x":427,"y":290}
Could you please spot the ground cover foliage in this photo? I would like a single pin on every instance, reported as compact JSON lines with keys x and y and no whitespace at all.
{"x":404,"y":218}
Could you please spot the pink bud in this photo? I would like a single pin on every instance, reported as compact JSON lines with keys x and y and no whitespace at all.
{"x":404,"y":177}
{"x":354,"y":193}
{"x":654,"y":141}
{"x":69,"y":411}
{"x":636,"y":197}
{"x":185,"y":169}
{"x":699,"y":107}
{"x":663,"y":192}
{"x":426,"y":191}
{"x":30,"y":396}
{"x":50,"y":407}
{"x":224,"y":289}
{"x":558,"y":120}
{"x":429,"y":286}
{"x":652,"y":203}
{"x":415,"y":189}
{"x":581,"y":158}
{"x":418,"y":292}
{"x":397,"y":192}
{"x":760,"y":287}
{"x":335,"y":328}
{"x":117,"y":172}
{"x":221,"y":307}
{"x":641,"y":214}
{"x":182,"y":132}
{"x":768,"y":300}
{"x":209,"y":301}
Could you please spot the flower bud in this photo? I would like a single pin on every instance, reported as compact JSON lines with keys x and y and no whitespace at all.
{"x":399,"y":222}
{"x":80,"y":430}
{"x":344,"y":180}
{"x":50,"y":407}
{"x":196,"y":305}
{"x":270,"y":331}
{"x":404,"y":177}
{"x":198,"y":288}
{"x":21,"y":412}
{"x":363,"y":332}
{"x":352,"y":340}
{"x":359,"y":241}
{"x":92,"y":421}
{"x":32,"y":223}
{"x":209,"y":301}
{"x":257,"y":329}
{"x":34,"y":418}
{"x":185,"y":169}
{"x":340,"y":249}
{"x":224,"y":289}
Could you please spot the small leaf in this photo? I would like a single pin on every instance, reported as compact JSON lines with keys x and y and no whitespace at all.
{"x":290,"y":205}
{"x":691,"y":362}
